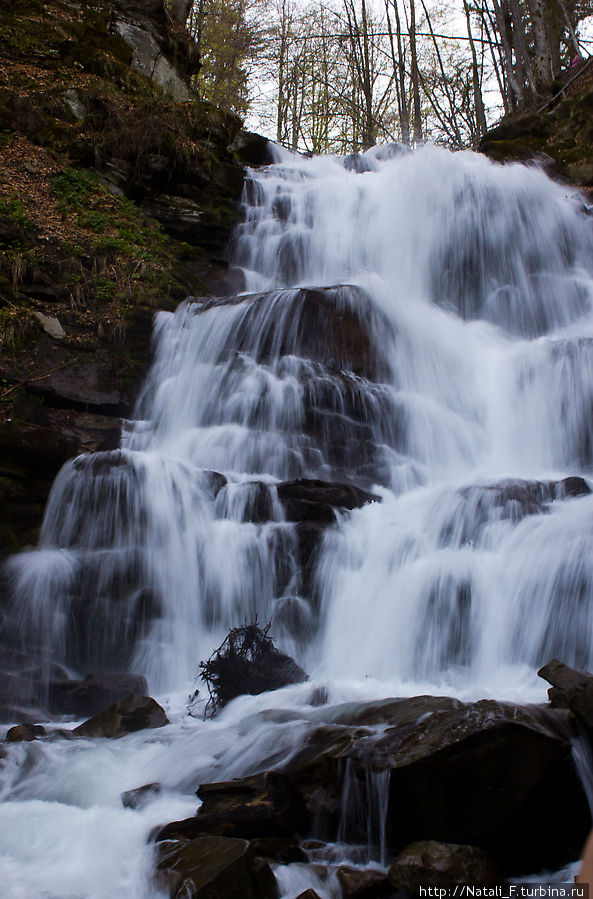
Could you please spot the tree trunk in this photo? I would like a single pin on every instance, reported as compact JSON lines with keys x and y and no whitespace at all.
{"x":478,"y":101}
{"x":415,"y":78}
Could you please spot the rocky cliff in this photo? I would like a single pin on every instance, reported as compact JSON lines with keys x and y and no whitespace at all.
{"x":118,"y":192}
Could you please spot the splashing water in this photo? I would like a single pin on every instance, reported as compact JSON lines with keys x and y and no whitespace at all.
{"x":423,"y":329}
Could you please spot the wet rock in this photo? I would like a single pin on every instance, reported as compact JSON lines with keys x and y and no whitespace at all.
{"x":572,"y":486}
{"x":124,"y":717}
{"x":330,"y":325}
{"x":319,"y":696}
{"x":314,"y":500}
{"x":212,"y":867}
{"x":354,"y":162}
{"x":311,"y":504}
{"x":430,"y":863}
{"x":358,"y":883}
{"x":309,"y":894}
{"x":96,"y":692}
{"x":30,"y":458}
{"x":388,"y":151}
{"x":509,"y":500}
{"x":139,"y":797}
{"x":25,"y":733}
{"x":571,"y":689}
{"x":282,"y":850}
{"x":251,"y":149}
{"x":481,"y":774}
{"x":309,"y":534}
{"x":266,"y":805}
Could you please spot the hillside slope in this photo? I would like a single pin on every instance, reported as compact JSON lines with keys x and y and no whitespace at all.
{"x":118,"y":193}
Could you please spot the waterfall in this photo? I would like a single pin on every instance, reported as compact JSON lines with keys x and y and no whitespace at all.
{"x":418,"y":326}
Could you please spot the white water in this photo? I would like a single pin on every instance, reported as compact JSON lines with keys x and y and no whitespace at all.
{"x":475,"y":282}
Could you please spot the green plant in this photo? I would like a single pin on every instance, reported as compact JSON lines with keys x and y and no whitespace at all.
{"x":74,"y":188}
{"x":93,"y":219}
{"x":16,"y":211}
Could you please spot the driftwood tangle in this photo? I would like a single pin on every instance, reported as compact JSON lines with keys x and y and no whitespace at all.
{"x":247,"y":662}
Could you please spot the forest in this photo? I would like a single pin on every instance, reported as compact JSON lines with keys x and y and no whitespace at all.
{"x":340,"y":77}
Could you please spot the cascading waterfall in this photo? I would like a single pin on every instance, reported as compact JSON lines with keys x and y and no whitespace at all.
{"x":419,"y":325}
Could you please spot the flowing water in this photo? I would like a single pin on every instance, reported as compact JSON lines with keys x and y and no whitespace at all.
{"x":463,"y":401}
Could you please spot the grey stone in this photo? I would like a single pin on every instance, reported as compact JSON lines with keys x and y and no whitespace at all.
{"x":149,"y":59}
{"x":50,"y":325}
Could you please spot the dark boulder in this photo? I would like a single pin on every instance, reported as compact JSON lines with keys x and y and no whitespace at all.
{"x":315,"y":501}
{"x":124,"y":717}
{"x":212,"y":867}
{"x":361,"y":883}
{"x":139,"y":797}
{"x":309,"y":894}
{"x":570,"y":689}
{"x":484,"y":774}
{"x":283,"y":850}
{"x":95,"y":693}
{"x":266,"y":805}
{"x":25,"y":733}
{"x":251,"y":149}
{"x":436,"y":864}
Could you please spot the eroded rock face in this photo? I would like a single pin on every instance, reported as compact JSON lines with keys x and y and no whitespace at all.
{"x":124,"y":717}
{"x":166,"y":55}
{"x":30,"y":458}
{"x":213,"y":867}
{"x":436,"y":864}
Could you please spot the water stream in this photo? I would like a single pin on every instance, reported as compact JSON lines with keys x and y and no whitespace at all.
{"x":464,"y":406}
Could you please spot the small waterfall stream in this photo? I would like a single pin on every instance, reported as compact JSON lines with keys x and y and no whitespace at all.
{"x":420,"y":328}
